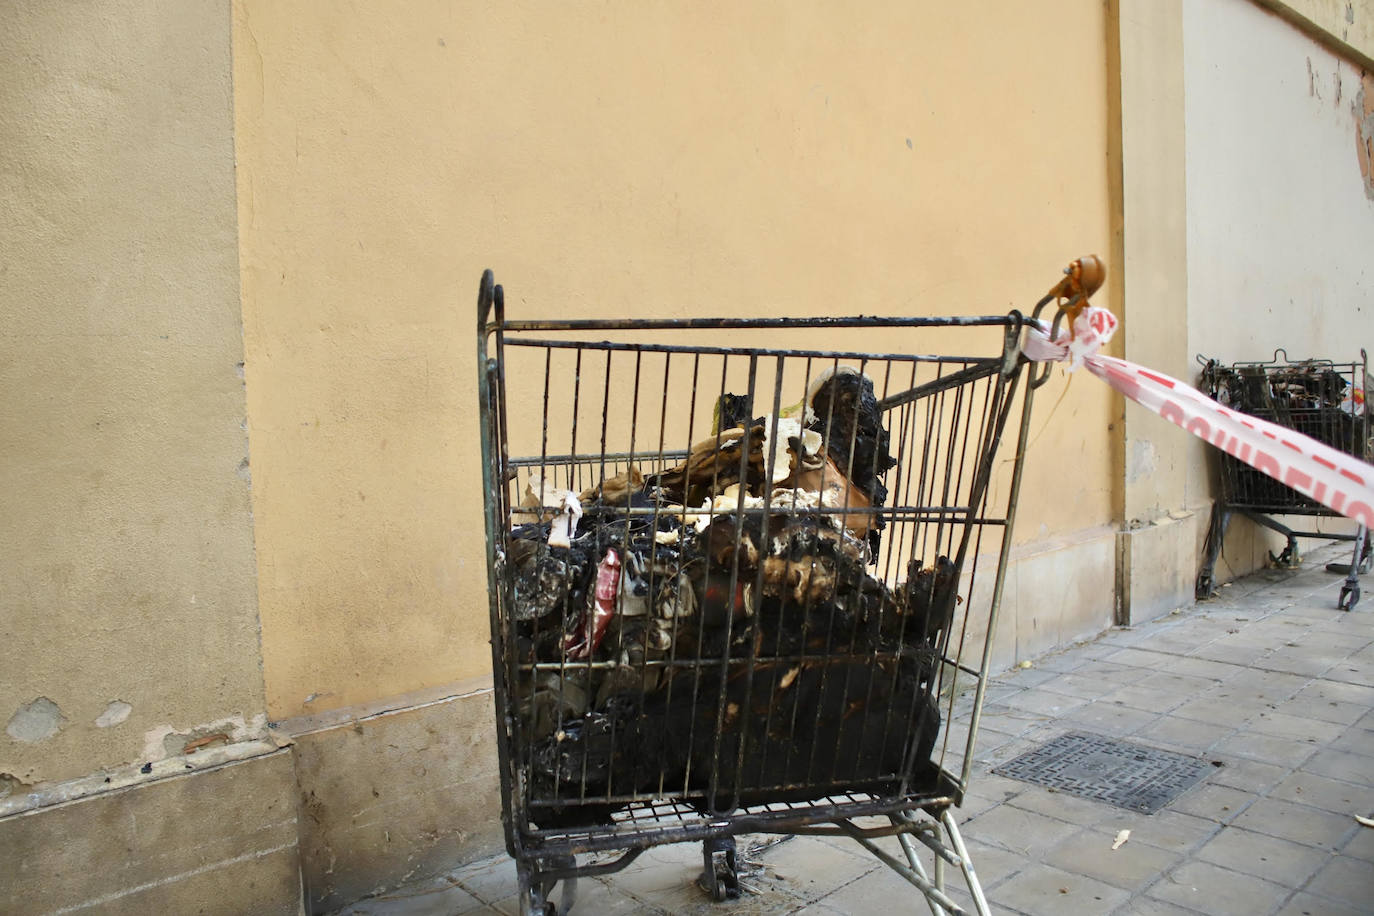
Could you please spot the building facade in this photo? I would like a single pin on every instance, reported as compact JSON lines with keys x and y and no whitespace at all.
{"x":244,"y":609}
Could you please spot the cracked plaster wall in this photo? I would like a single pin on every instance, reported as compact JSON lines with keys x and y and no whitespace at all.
{"x":129,"y":609}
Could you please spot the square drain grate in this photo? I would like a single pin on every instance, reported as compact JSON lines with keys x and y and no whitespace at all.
{"x":1117,"y":772}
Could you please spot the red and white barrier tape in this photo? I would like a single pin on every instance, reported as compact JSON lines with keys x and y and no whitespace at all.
{"x":1339,"y":481}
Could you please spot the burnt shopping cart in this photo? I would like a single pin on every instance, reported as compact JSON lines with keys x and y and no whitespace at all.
{"x":1319,"y":398}
{"x":743,"y":577}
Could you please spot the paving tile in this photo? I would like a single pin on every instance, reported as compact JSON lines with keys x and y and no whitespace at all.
{"x":1062,"y":806}
{"x":1251,"y":775}
{"x":1080,"y":685}
{"x":1008,"y":721}
{"x":1322,"y":710}
{"x":1350,"y":638}
{"x":1281,"y":861}
{"x":1062,"y":661}
{"x":884,"y":891}
{"x":421,"y":900}
{"x":1179,"y":683}
{"x":1217,"y":710}
{"x":1141,"y":658}
{"x":811,"y":869}
{"x":1043,"y":890}
{"x":817,"y":909}
{"x":1168,"y":830}
{"x":997,"y":756}
{"x":1294,"y":663}
{"x":1361,"y":845}
{"x":1267,"y":686}
{"x":1218,"y":891}
{"x":1187,"y":735}
{"x":1348,"y":880}
{"x":1213,"y":802}
{"x":1352,"y":673}
{"x":593,"y":896}
{"x":1339,"y":765}
{"x":1305,"y":904}
{"x":987,"y":785}
{"x":1149,"y":906}
{"x":1016,"y":830}
{"x":1151,"y":697}
{"x":1113,"y":673}
{"x":1356,"y":741}
{"x":1201,"y":667}
{"x":490,"y":880}
{"x":1028,"y":677}
{"x":1234,"y":653}
{"x":1273,"y":722}
{"x":1044,"y":703}
{"x":1322,"y":792}
{"x":1299,"y":823}
{"x":1107,"y":718}
{"x":991,"y":864}
{"x":1266,"y":749}
{"x":1127,"y":636}
{"x":662,"y":873}
{"x":1131,"y":866}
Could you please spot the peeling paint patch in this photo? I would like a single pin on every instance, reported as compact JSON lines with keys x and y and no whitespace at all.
{"x":35,"y":721}
{"x":1144,"y":460}
{"x":12,"y":785}
{"x":115,"y":714}
{"x":1364,"y":131}
{"x":167,"y":741}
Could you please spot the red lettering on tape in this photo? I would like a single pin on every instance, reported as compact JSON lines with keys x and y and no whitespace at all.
{"x":1297,"y":479}
{"x":1166,"y":382}
{"x":1170,"y":411}
{"x":1268,"y":464}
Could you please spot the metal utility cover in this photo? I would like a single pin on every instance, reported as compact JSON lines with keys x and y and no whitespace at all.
{"x":1120,"y":773}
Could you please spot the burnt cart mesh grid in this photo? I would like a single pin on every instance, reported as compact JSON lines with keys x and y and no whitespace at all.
{"x":1325,"y":400}
{"x":739,"y":586}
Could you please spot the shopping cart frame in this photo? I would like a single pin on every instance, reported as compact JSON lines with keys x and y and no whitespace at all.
{"x":1248,"y":493}
{"x":921,"y":817}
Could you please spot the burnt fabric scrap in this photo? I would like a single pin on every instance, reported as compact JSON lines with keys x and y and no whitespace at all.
{"x":714,"y":633}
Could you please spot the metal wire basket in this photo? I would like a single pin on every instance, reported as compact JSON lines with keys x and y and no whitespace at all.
{"x":743,"y":578}
{"x":1319,"y":398}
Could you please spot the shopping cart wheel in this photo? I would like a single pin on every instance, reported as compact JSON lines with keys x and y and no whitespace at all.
{"x":1290,"y":558}
{"x":1350,"y":596}
{"x":534,"y":904}
{"x":720,"y":876}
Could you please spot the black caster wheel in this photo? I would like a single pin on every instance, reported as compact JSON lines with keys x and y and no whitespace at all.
{"x":720,"y":874}
{"x":1350,"y":596}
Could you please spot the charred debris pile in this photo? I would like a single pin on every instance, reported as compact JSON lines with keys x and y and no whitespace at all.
{"x":718,"y":632}
{"x":1314,"y":397}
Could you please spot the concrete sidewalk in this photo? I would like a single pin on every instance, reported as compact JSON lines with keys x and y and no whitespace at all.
{"x":1269,"y":682}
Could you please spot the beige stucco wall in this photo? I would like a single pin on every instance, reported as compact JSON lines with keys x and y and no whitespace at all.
{"x":128,"y":556}
{"x":1344,"y":26}
{"x":1280,"y":218}
{"x":663,"y":160}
